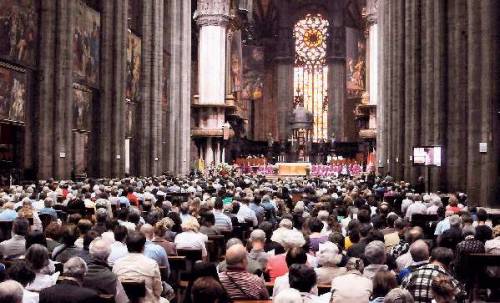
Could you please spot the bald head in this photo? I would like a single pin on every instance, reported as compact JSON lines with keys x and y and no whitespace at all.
{"x":236,"y":256}
{"x":11,"y":291}
{"x":415,"y":233}
{"x":100,"y":249}
{"x":148,"y":231}
{"x":419,"y":251}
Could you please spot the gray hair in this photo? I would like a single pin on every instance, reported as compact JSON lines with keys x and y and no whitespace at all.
{"x":258,"y":235}
{"x":323,"y":215}
{"x":290,"y":295}
{"x":375,"y":252}
{"x":455,"y":220}
{"x":232,"y":242}
{"x":328,"y":254}
{"x":286,"y":223}
{"x":48,"y":202}
{"x":11,"y":291}
{"x":99,"y":249}
{"x":75,"y":267}
{"x":398,"y":295}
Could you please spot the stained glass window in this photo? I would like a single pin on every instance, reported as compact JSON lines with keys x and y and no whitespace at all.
{"x":310,"y":73}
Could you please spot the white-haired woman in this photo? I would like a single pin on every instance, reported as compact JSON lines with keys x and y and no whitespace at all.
{"x":190,"y":238}
{"x":328,"y":258}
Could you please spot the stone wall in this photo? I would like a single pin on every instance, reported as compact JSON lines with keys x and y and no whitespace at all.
{"x":439,"y":85}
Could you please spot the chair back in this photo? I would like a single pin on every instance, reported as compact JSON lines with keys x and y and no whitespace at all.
{"x":220,"y":247}
{"x":46,"y":219}
{"x":135,"y":290}
{"x":5,"y":230}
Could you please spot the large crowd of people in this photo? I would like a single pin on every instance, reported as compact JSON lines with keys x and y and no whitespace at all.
{"x":293,"y":240}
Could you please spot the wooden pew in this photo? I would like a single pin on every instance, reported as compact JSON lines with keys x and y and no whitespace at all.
{"x":479,"y":277}
{"x":5,"y":230}
{"x":135,"y":290}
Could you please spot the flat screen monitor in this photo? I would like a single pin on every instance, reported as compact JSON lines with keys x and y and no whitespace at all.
{"x":427,"y":155}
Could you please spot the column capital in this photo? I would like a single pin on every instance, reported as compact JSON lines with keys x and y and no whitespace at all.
{"x":212,"y":12}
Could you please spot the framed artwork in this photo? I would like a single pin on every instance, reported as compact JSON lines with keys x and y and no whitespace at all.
{"x":355,"y":62}
{"x":13,"y":93}
{"x":82,"y":100}
{"x":132,"y":92}
{"x":86,"y":44}
{"x":19,"y":31}
{"x":236,"y":60}
{"x":166,"y":80}
{"x":253,"y":72}
{"x":129,"y":119}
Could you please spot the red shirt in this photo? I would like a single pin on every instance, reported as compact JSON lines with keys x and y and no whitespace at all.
{"x":276,"y":266}
{"x":133,"y":199}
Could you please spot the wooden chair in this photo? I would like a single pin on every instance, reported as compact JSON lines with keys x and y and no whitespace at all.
{"x":135,"y":290}
{"x":220,"y":245}
{"x":323,"y":289}
{"x":479,"y":277}
{"x":177,"y":264}
{"x":62,"y":215}
{"x":192,"y":256}
{"x":426,"y":222}
{"x":5,"y":230}
{"x":104,"y":298}
{"x":46,"y":220}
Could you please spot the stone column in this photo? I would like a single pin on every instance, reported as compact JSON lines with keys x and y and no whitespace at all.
{"x":184,"y":69}
{"x":456,"y":152}
{"x":284,"y":70}
{"x":412,"y":78}
{"x":110,"y":136}
{"x":212,"y":17}
{"x":149,"y":109}
{"x":44,"y":113}
{"x":381,"y":147}
{"x":63,"y":114}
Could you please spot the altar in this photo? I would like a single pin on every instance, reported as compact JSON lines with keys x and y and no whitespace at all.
{"x":294,"y":169}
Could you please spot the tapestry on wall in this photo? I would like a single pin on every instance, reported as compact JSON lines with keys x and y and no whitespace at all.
{"x":132,"y":92}
{"x":129,"y":119}
{"x":355,"y":62}
{"x":165,"y":83}
{"x":82,"y":99}
{"x":236,"y":58}
{"x":253,"y":72}
{"x":13,"y":94}
{"x":18,"y":31}
{"x":86,"y":44}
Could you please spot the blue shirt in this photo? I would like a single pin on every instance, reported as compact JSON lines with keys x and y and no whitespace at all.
{"x":8,"y":215}
{"x":157,"y":253}
{"x":48,"y":211}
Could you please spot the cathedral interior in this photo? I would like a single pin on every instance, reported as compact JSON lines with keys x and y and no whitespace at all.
{"x":93,"y":88}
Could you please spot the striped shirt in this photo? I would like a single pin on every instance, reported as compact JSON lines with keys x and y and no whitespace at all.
{"x":222,"y":222}
{"x":241,"y":285}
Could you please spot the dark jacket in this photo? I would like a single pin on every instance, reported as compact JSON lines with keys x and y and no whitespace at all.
{"x":68,"y":291}
{"x":99,"y":277}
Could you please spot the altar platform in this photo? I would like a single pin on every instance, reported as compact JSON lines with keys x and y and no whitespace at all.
{"x":294,"y":169}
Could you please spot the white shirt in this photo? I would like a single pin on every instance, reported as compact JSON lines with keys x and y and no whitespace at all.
{"x":118,"y":251}
{"x":248,"y":214}
{"x":43,"y":281}
{"x":191,"y":240}
{"x":30,"y":297}
{"x":416,"y":208}
{"x":281,"y":283}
